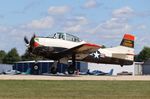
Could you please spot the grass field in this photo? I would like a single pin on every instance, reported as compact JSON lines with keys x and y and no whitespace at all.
{"x":29,"y":89}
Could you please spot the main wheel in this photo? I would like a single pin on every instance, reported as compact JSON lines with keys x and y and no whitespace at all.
{"x":71,"y":70}
{"x":53,"y":70}
{"x":121,"y":65}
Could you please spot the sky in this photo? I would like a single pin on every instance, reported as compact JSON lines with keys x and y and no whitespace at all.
{"x":101,"y":22}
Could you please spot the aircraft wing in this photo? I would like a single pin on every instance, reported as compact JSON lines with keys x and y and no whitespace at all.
{"x":83,"y":49}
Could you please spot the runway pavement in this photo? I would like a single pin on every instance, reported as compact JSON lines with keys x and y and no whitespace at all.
{"x":72,"y":77}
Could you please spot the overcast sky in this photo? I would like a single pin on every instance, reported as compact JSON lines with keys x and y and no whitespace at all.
{"x":97,"y":21}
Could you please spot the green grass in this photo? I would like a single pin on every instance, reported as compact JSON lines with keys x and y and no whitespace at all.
{"x":26,"y":89}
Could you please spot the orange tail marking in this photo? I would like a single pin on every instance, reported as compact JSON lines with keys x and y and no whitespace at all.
{"x":129,"y":37}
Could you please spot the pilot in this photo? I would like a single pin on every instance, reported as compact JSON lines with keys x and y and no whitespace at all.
{"x":54,"y":36}
{"x":61,"y":36}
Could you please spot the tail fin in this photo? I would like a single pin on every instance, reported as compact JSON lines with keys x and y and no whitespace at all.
{"x":128,"y":41}
{"x":28,"y":71}
{"x":111,"y":72}
{"x":126,"y":50}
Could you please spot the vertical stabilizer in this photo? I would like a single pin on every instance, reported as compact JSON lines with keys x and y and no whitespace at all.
{"x":126,"y":49}
{"x":128,"y":41}
{"x":111,"y":72}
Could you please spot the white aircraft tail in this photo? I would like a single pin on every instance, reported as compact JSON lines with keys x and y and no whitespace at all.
{"x":127,"y":44}
{"x":126,"y":49}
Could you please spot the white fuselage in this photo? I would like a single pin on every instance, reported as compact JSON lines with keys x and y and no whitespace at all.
{"x":59,"y":43}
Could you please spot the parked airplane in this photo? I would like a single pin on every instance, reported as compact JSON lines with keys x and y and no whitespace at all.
{"x":63,"y":46}
{"x":98,"y":72}
{"x":16,"y":72}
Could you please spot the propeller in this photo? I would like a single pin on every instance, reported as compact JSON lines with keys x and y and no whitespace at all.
{"x":26,"y":40}
{"x":32,"y":41}
{"x":30,"y":44}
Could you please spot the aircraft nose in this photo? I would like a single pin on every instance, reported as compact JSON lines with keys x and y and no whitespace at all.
{"x":30,"y":45}
{"x":34,"y":42}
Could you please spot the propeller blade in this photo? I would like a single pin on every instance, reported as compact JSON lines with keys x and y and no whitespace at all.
{"x":26,"y":40}
{"x":29,"y":44}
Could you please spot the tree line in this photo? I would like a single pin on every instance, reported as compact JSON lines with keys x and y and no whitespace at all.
{"x":143,"y":55}
{"x":13,"y":56}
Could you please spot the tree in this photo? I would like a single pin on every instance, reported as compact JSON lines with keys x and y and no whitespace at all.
{"x":144,"y":54}
{"x":12,"y":56}
{"x":2,"y":55}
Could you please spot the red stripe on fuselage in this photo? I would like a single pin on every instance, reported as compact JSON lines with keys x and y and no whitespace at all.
{"x":94,"y":45}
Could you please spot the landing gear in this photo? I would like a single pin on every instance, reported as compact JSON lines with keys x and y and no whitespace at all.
{"x":71,"y":68}
{"x":53,"y":69}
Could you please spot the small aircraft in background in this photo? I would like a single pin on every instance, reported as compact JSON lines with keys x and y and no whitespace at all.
{"x":63,"y":47}
{"x":98,"y":72}
{"x":16,"y":72}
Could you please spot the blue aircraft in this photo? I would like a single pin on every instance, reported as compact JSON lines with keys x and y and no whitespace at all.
{"x":98,"y":72}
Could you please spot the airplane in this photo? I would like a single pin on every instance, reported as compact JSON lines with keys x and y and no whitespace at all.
{"x":16,"y":72}
{"x":98,"y":72}
{"x":62,"y":47}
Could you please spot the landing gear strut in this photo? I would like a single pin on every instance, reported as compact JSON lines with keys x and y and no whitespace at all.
{"x":71,"y":68}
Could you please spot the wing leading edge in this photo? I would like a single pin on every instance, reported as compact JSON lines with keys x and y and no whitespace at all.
{"x":82,"y":50}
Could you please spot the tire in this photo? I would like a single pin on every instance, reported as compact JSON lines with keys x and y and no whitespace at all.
{"x":53,"y":70}
{"x":71,"y":70}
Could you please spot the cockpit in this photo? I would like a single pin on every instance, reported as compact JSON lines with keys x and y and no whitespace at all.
{"x":66,"y":36}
